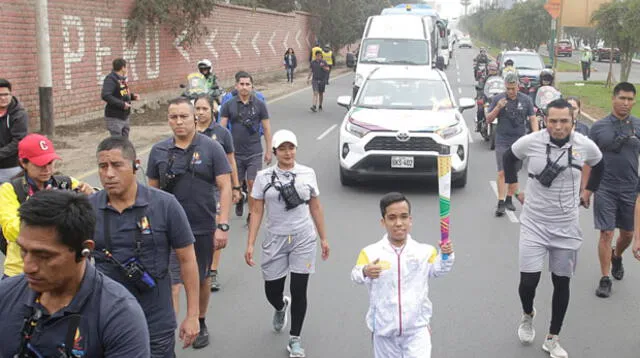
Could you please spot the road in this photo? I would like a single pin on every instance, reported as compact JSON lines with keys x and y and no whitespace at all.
{"x":602,"y":69}
{"x":476,"y":307}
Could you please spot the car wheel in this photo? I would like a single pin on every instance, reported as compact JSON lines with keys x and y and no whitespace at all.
{"x":345,"y":179}
{"x":461,"y":181}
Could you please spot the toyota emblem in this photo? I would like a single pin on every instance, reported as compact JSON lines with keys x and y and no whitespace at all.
{"x":402,"y":136}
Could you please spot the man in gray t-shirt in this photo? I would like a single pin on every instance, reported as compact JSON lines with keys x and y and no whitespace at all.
{"x":550,"y":218}
{"x":512,"y":110}
{"x":618,"y":136}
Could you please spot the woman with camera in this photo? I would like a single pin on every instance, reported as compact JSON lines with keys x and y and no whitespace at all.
{"x":37,"y":157}
{"x":289,"y":191}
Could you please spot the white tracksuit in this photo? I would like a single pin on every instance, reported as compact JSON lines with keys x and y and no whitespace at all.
{"x":399,"y":305}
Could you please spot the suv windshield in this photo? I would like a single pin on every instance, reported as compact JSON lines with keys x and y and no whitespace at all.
{"x":395,"y":51}
{"x":525,"y":62}
{"x":405,"y":94}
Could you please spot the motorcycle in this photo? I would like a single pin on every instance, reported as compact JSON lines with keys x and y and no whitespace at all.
{"x":197,"y":86}
{"x":481,"y":71}
{"x":493,"y":86}
{"x":544,"y":96}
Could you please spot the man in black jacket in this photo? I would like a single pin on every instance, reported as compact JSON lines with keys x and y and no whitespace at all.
{"x":115,"y":91}
{"x":14,"y":122}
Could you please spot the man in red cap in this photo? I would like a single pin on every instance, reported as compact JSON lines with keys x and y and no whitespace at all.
{"x":37,"y":157}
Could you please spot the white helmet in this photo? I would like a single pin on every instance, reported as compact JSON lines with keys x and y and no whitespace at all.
{"x":204,"y":63}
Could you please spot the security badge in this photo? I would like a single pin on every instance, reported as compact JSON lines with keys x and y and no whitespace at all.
{"x":195,"y":159}
{"x":144,"y":226}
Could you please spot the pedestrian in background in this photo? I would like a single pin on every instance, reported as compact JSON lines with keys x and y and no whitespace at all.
{"x":14,"y":123}
{"x":318,"y":77}
{"x":116,"y":92}
{"x":585,"y":62}
{"x":330,"y":59}
{"x":290,"y":63}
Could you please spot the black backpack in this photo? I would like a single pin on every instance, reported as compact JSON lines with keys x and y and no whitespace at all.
{"x":21,"y":188}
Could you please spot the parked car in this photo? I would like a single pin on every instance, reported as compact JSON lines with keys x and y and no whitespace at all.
{"x":602,"y":54}
{"x":398,"y":124}
{"x":564,"y":48}
{"x":465,"y":42}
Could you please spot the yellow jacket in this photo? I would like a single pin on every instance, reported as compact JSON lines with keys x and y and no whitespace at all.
{"x":327,"y":56}
{"x":10,"y":223}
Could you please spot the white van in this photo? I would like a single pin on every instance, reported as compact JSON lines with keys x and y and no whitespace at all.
{"x":394,"y":40}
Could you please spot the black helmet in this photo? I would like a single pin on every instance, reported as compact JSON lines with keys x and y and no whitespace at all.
{"x":546,"y":75}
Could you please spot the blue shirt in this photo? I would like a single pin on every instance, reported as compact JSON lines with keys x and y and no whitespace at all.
{"x":167,"y":228}
{"x":512,"y":119}
{"x":620,"y":168}
{"x":198,"y":166}
{"x":246,"y":120}
{"x":112,"y":323}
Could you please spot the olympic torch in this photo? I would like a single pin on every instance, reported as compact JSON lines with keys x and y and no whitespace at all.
{"x":444,"y":191}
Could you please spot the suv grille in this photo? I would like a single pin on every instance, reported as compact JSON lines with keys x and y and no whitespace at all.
{"x":418,"y":144}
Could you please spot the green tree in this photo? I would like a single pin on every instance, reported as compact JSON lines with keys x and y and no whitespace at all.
{"x":275,"y":5}
{"x":583,"y":35}
{"x":617,"y":23}
{"x":182,"y":17}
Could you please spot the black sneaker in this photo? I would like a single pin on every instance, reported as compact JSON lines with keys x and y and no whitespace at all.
{"x":508,"y":203}
{"x":500,"y":210}
{"x":604,"y":288}
{"x":240,"y":206}
{"x":313,"y":108}
{"x":202,"y":340}
{"x":617,"y":270}
{"x":320,"y":108}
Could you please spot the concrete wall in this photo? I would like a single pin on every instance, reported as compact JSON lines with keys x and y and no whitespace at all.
{"x":87,"y":35}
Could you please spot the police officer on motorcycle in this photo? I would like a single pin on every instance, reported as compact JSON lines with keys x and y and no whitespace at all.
{"x":204,"y":67}
{"x":481,"y":98}
{"x":481,"y":58}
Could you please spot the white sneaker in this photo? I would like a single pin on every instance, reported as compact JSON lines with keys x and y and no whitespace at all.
{"x":526,"y":332}
{"x":552,"y":346}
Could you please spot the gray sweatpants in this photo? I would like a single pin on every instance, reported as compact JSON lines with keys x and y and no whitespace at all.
{"x":118,"y":126}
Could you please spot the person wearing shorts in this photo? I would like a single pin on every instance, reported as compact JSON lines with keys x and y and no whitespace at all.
{"x":289,"y":193}
{"x":512,"y":109}
{"x":191,"y":166}
{"x":617,"y":135}
{"x":245,"y":113}
{"x":319,"y":70}
{"x":550,"y":213}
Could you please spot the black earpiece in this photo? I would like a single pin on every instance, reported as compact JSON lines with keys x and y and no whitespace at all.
{"x":274,"y":151}
{"x":135,"y":166}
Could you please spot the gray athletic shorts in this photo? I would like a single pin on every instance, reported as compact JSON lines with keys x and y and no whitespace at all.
{"x":117,"y":126}
{"x":500,"y":150}
{"x":204,"y":257}
{"x":534,"y":247}
{"x":163,"y":345}
{"x":614,"y":209}
{"x":282,"y":254}
{"x":248,"y":167}
{"x":318,"y":85}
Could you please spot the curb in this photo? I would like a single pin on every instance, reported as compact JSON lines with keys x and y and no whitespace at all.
{"x":279,"y":98}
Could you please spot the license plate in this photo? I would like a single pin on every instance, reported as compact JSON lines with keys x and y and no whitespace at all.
{"x":402,"y":162}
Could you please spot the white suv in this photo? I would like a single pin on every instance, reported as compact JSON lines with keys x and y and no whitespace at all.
{"x":398,"y":124}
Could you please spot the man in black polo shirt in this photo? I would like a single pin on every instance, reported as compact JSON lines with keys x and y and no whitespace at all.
{"x":190,"y":166}
{"x":617,"y":135}
{"x":318,"y":77}
{"x":116,"y":92}
{"x":245,"y":113}
{"x":136,"y":227}
{"x":61,"y":304}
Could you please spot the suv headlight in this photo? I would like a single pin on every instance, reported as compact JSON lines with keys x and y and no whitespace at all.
{"x":356,"y":130}
{"x":359,"y":80}
{"x":451,"y":131}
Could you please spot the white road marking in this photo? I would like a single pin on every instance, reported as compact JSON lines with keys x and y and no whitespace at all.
{"x":459,"y":90}
{"x":458,"y":80}
{"x":510,"y":214}
{"x":325,"y":133}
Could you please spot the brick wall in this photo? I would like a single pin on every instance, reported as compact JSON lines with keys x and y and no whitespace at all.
{"x":87,"y":35}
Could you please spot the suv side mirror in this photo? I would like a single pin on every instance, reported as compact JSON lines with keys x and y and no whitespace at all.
{"x":344,"y":101}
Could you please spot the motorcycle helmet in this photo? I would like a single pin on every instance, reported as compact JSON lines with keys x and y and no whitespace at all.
{"x":508,"y":63}
{"x":546,"y":77}
{"x":492,"y":69}
{"x":204,"y":65}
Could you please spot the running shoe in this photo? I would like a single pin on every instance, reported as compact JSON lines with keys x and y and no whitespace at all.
{"x":552,"y":346}
{"x":280,"y":317}
{"x":526,"y":332}
{"x":295,"y":347}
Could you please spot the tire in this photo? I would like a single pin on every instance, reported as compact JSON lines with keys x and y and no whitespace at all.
{"x":461,"y":181}
{"x":345,"y":179}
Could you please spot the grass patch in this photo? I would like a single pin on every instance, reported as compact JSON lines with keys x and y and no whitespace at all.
{"x":492,"y":50}
{"x":595,"y":97}
{"x":563,"y":66}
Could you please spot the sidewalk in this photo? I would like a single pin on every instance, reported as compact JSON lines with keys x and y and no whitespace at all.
{"x":76,"y":144}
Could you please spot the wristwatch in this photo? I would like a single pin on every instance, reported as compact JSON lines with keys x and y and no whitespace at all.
{"x":223,"y":227}
{"x":238,"y":188}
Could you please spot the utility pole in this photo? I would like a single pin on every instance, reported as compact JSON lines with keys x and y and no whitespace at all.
{"x":45,"y":80}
